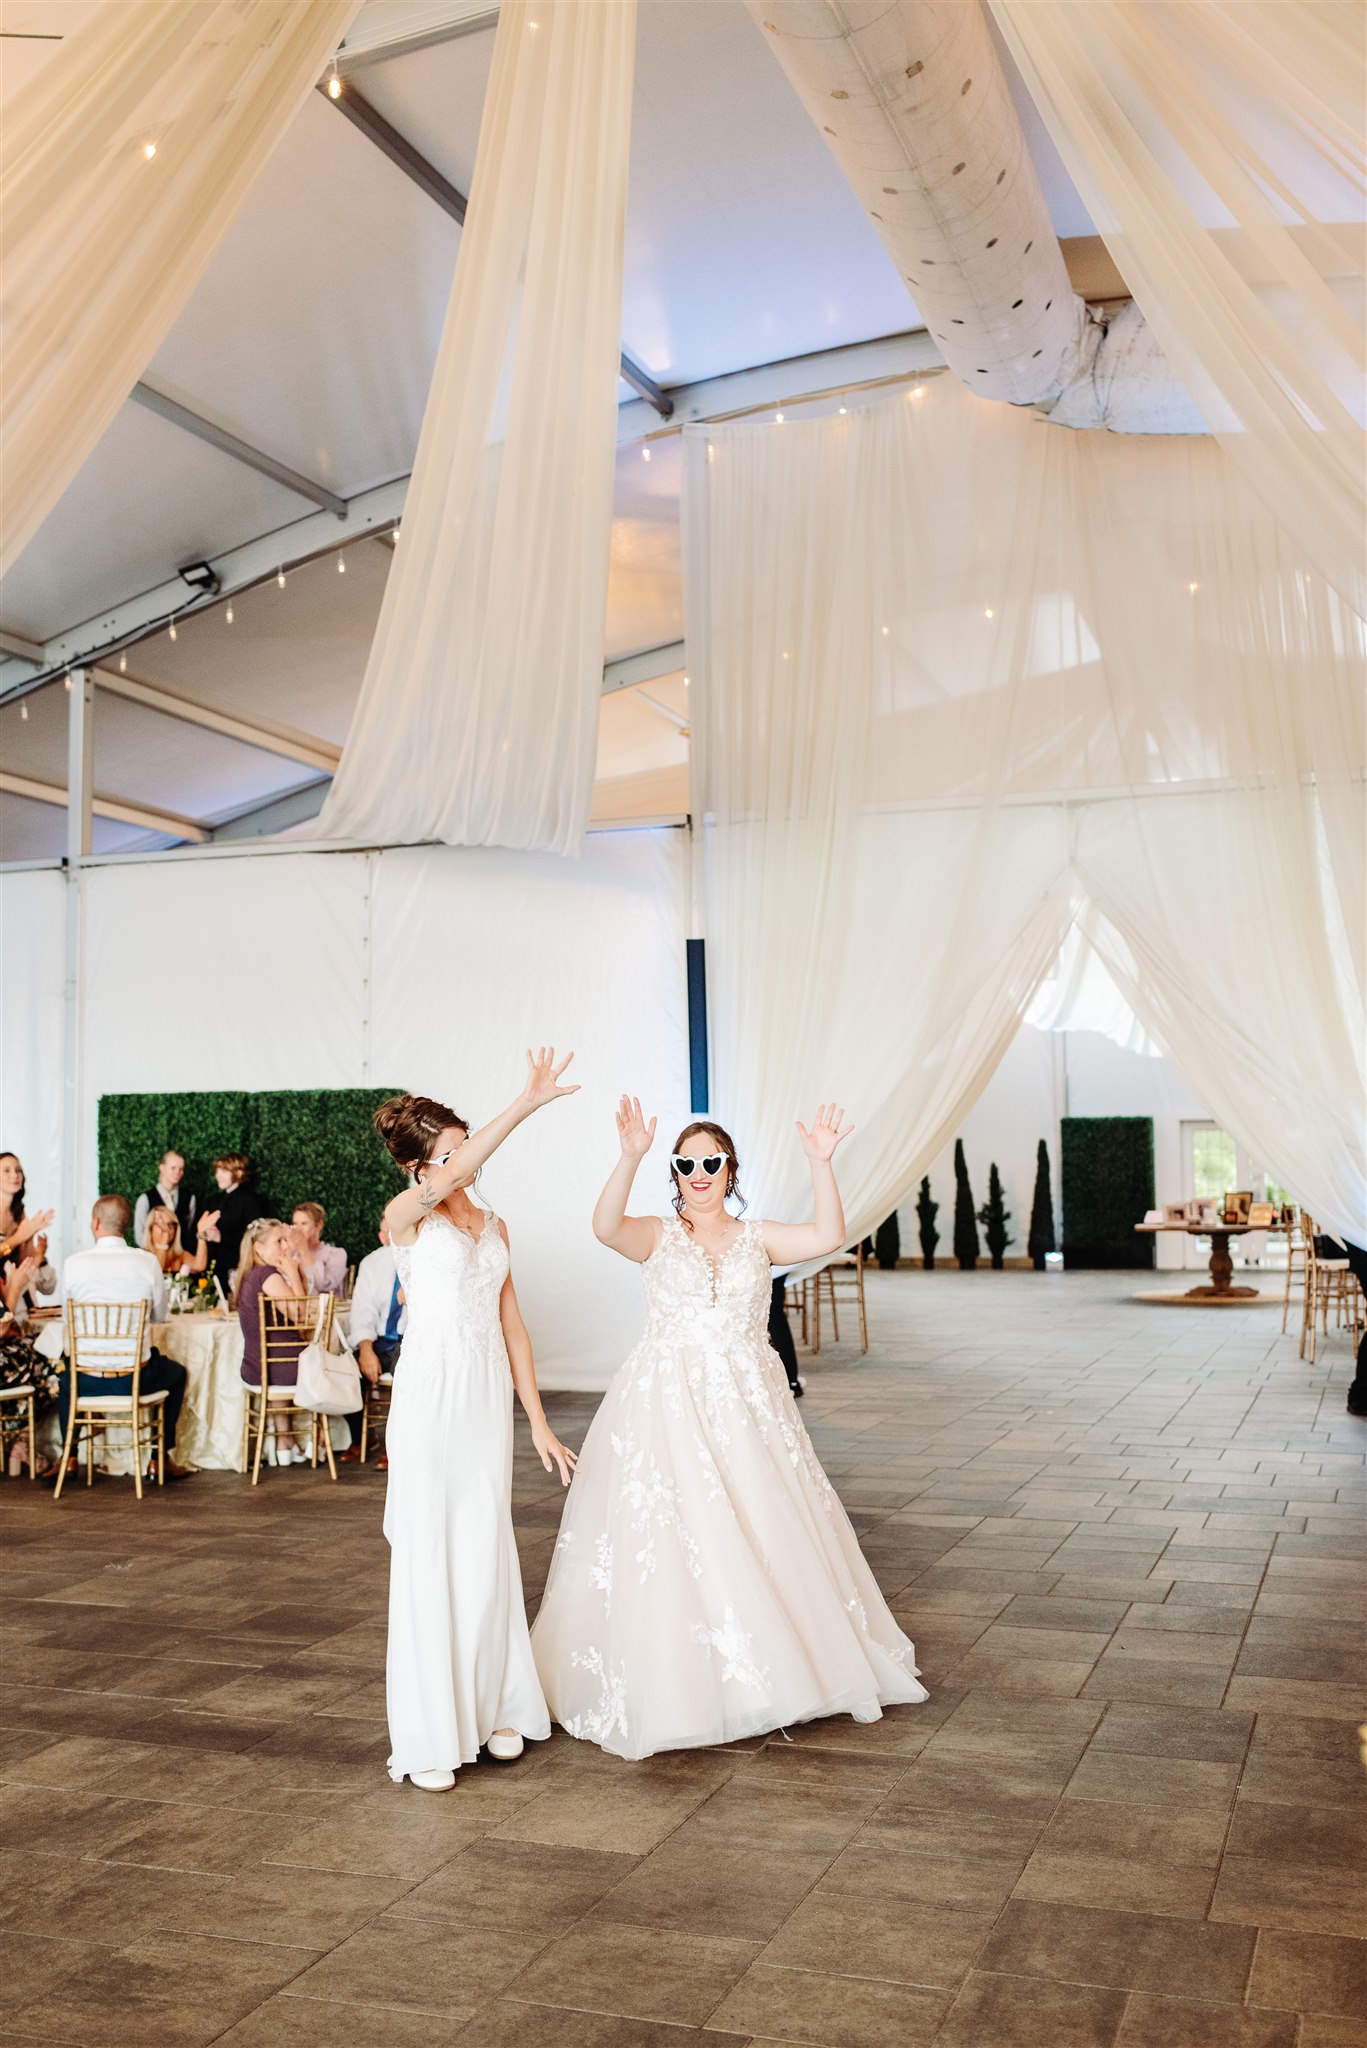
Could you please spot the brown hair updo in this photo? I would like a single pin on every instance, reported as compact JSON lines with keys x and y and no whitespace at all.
{"x":725,"y":1143}
{"x":411,"y":1124}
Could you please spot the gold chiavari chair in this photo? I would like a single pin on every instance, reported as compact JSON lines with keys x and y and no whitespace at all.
{"x":1295,"y":1263}
{"x":847,"y":1283}
{"x":19,"y":1424}
{"x":286,"y":1324}
{"x":375,"y":1402}
{"x":1328,"y":1283}
{"x":104,"y":1340}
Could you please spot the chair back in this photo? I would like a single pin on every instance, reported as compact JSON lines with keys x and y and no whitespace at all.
{"x":287,"y":1323}
{"x":105,"y":1337}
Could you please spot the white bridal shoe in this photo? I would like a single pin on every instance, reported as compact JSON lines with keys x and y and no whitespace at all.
{"x":505,"y":1744}
{"x":432,"y":1781}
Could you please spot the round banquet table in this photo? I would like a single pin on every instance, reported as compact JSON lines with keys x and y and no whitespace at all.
{"x":1219,"y":1291}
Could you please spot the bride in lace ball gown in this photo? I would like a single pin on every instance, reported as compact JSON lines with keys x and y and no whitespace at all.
{"x":460,"y":1673}
{"x":707,"y":1584}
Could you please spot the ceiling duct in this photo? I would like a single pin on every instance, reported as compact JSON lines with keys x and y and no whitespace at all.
{"x":912,"y":102}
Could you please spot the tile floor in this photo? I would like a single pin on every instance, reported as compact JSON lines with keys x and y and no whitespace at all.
{"x":1129,"y":1545}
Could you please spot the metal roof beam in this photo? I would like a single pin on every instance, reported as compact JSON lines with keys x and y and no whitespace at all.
{"x":646,"y":667}
{"x":394,"y":28}
{"x":169,"y":822}
{"x":342,"y":94}
{"x":292,"y":746}
{"x":241,"y":451}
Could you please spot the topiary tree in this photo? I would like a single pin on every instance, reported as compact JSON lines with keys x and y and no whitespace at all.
{"x":926,"y":1212}
{"x":1041,"y":1238}
{"x":965,"y":1223}
{"x":887,"y":1243}
{"x":994,"y":1217}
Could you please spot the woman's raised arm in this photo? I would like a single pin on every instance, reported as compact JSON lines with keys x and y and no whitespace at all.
{"x":788,"y":1244}
{"x":635,"y":1237}
{"x":407,"y":1210}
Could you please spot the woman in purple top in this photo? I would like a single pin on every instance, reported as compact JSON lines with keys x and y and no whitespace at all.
{"x":270,"y":1266}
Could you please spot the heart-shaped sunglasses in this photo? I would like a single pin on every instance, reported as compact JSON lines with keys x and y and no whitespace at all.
{"x":687,"y":1167}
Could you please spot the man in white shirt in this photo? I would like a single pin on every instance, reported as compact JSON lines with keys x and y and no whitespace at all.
{"x":113,"y":1271}
{"x":169,"y":1193}
{"x":379,"y":1314}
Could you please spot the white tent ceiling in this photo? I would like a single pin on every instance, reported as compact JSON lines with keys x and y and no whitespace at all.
{"x":312,"y":338}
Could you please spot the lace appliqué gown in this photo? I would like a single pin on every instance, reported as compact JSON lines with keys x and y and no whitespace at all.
{"x":460,"y":1659}
{"x":707,"y":1584}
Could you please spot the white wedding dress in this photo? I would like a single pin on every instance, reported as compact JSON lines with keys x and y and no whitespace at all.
{"x":460,"y":1659}
{"x":707,"y":1584}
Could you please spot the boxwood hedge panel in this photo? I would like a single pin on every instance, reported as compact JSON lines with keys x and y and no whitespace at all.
{"x":305,"y":1144}
{"x":1107,"y":1186}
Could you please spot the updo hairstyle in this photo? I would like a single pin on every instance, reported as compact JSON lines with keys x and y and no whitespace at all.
{"x":410,"y":1126}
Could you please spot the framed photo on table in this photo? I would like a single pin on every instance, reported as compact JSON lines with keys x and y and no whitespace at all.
{"x":1262,"y":1215}
{"x":1238,"y":1203}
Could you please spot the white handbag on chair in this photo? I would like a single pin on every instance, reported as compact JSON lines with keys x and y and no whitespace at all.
{"x":328,"y":1382}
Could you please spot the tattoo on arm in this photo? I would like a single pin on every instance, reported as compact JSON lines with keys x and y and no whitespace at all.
{"x":428,"y":1198}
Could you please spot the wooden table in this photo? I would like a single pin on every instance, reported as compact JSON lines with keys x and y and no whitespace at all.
{"x":1219,"y":1289}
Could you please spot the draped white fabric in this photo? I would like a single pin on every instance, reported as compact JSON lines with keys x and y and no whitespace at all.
{"x":959,"y":678}
{"x":1219,"y":146}
{"x":103,"y":241}
{"x":478,"y":716}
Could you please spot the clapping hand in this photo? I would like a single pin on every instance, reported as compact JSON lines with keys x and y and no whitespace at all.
{"x":31,"y":1226}
{"x":636,"y":1134}
{"x":828,"y":1130}
{"x":207,"y":1226}
{"x":543,"y":1078}
{"x":17,"y":1280}
{"x":40,"y":1249}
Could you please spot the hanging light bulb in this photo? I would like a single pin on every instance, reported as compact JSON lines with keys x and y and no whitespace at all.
{"x":123,"y":664}
{"x":394,"y":536}
{"x":171,"y":630}
{"x":919,"y":391}
{"x":23,"y":713}
{"x":280,"y":578}
{"x":334,"y":83}
{"x":778,"y":419}
{"x":1193,"y":588}
{"x":685,"y":682}
{"x":988,"y":612}
{"x":66,"y":680}
{"x":149,"y":150}
{"x":645,"y":455}
{"x":844,"y":408}
{"x":341,"y":565}
{"x":228,"y":615}
{"x":886,"y":631}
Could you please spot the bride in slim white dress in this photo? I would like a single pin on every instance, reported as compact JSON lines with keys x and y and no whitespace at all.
{"x":707,"y":1584}
{"x":460,"y":1673}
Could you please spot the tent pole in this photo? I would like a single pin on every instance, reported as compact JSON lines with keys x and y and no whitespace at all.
{"x":79,"y":845}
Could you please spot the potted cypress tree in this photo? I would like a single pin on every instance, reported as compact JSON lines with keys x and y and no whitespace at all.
{"x":966,"y":1245}
{"x":994,"y":1217}
{"x":1041,"y":1239}
{"x":926,"y":1212}
{"x":887,"y":1244}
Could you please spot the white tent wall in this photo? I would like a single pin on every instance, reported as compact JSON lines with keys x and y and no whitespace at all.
{"x":430,"y":968}
{"x":33,"y":976}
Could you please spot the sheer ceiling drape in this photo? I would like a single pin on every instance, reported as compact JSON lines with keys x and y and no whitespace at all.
{"x":103,"y":242}
{"x":478,"y":715}
{"x":1219,"y":146}
{"x":961,"y":680}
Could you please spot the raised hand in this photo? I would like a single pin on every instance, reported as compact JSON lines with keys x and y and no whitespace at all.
{"x":828,"y":1130}
{"x":543,"y":1078}
{"x":207,"y":1226}
{"x":636,"y":1135}
{"x":31,"y":1225}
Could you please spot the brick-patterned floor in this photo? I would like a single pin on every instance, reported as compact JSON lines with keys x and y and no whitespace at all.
{"x":1128,"y":1543}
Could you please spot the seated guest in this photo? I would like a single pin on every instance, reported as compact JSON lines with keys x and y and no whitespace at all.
{"x":21,"y":1364}
{"x":238,"y":1205}
{"x":113,"y":1271}
{"x":325,"y":1264}
{"x":270,"y":1266}
{"x":378,"y":1319}
{"x":169,"y":1193}
{"x":18,"y":1229}
{"x":161,"y":1237}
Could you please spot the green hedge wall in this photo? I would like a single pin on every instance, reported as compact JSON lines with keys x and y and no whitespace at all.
{"x":1107,"y":1186}
{"x":305,"y":1145}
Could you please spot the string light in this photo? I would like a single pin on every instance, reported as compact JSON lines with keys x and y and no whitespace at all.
{"x":23,"y":713}
{"x":645,"y":455}
{"x":171,"y":630}
{"x":919,"y":391}
{"x":778,"y":419}
{"x":685,"y":682}
{"x":1193,"y":588}
{"x":280,"y":578}
{"x":228,"y":616}
{"x":844,"y":408}
{"x":66,"y":680}
{"x":341,"y":565}
{"x":334,"y":83}
{"x":149,"y":150}
{"x":988,"y":612}
{"x":393,"y":536}
{"x":886,"y":631}
{"x":123,"y":664}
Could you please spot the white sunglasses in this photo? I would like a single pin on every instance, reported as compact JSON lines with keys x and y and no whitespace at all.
{"x":686,"y":1166}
